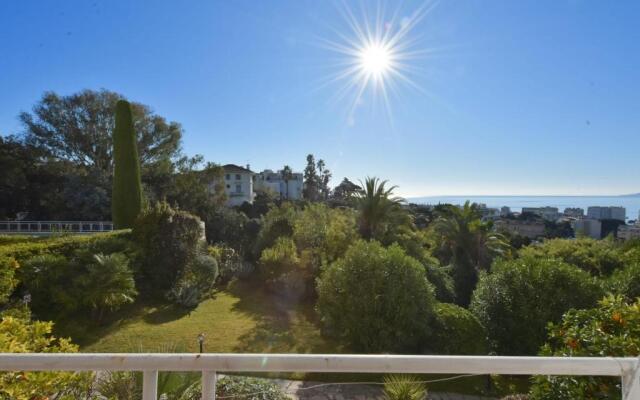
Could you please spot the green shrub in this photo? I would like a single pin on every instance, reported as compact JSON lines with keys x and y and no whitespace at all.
{"x":23,"y":336}
{"x":626,"y":281}
{"x":238,"y":387}
{"x":66,"y":245}
{"x":47,"y":278}
{"x":610,"y":330}
{"x":230,"y":263}
{"x":457,"y":331}
{"x":8,"y":267}
{"x":280,"y":268}
{"x":327,"y":231}
{"x":404,"y":387}
{"x":376,"y":299}
{"x":168,"y":241}
{"x":126,"y":200}
{"x":197,"y":281}
{"x":598,"y":257}
{"x":519,"y":297}
{"x":59,"y":286}
{"x":278,"y":222}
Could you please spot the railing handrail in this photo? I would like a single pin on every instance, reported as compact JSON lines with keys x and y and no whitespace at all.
{"x":56,"y":222}
{"x":210,"y":363}
{"x":603,"y":366}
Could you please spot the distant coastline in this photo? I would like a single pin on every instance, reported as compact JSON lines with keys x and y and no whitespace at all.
{"x":630,"y":202}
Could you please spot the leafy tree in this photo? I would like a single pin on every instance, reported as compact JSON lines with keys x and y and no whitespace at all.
{"x":598,"y":257}
{"x":324,"y":231}
{"x":377,"y":299}
{"x":324,"y":176}
{"x":468,"y":245}
{"x":79,"y":127}
{"x":126,"y":200}
{"x":287,"y":175}
{"x":519,"y":297}
{"x":610,"y":330}
{"x":377,"y":207}
{"x":26,"y":176}
{"x":345,"y":190}
{"x":311,"y":190}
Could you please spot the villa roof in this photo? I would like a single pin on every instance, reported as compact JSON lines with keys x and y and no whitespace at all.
{"x":236,"y":169}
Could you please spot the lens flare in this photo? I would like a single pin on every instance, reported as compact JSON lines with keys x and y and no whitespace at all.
{"x":376,"y":54}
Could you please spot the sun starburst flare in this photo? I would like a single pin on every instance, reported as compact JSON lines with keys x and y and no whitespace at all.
{"x":376,"y":55}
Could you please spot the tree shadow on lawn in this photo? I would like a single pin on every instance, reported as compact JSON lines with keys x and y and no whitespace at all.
{"x":284,"y":324}
{"x":86,"y":332}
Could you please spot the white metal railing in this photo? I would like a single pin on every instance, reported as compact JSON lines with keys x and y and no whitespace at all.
{"x":628,"y":369}
{"x":55,"y":226}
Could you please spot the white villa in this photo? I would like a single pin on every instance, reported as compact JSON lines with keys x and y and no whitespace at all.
{"x":238,"y":184}
{"x":289,"y":189}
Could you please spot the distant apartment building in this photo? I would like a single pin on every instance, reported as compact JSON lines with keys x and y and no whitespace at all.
{"x":596,"y":212}
{"x":286,"y":189}
{"x":504,"y":211}
{"x":588,"y":227}
{"x":238,"y":184}
{"x":626,"y":232}
{"x":488,"y":213}
{"x":547,"y":213}
{"x":576,"y":212}
{"x":530,"y":229}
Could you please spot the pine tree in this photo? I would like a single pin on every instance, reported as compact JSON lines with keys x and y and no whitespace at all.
{"x":126,"y":200}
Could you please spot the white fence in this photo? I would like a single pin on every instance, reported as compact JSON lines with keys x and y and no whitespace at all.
{"x":48,"y":227}
{"x":628,"y":369}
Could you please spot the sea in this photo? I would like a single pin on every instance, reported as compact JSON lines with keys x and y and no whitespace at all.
{"x":630,"y":203}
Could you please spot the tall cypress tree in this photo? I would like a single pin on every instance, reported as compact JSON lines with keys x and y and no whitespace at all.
{"x":126,"y":200}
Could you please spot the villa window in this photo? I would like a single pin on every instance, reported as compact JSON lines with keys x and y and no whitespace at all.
{"x":227,"y":177}
{"x":238,"y":188}
{"x":238,"y":177}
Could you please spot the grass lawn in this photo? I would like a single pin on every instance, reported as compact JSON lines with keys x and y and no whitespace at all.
{"x":241,"y":319}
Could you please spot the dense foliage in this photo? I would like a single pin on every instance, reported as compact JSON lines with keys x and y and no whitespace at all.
{"x":626,"y":281}
{"x":18,"y":335}
{"x":168,"y":241}
{"x":610,"y":330}
{"x":519,"y":297}
{"x":598,"y":257}
{"x":126,"y":200}
{"x":376,"y":299}
{"x":457,"y":331}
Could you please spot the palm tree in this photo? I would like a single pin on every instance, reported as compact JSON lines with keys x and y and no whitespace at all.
{"x":377,"y":206}
{"x":469,"y":245}
{"x":287,"y":174}
{"x":108,"y":283}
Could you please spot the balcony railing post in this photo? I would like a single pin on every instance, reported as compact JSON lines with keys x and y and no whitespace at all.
{"x":631,"y":383}
{"x":150,"y":385}
{"x":209,"y":379}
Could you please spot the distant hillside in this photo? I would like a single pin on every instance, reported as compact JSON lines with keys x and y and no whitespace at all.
{"x":631,"y":195}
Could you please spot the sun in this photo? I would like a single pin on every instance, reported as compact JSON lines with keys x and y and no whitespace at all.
{"x":376,"y":60}
{"x":376,"y":54}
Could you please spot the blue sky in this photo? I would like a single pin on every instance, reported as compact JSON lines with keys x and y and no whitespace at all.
{"x":520,"y":97}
